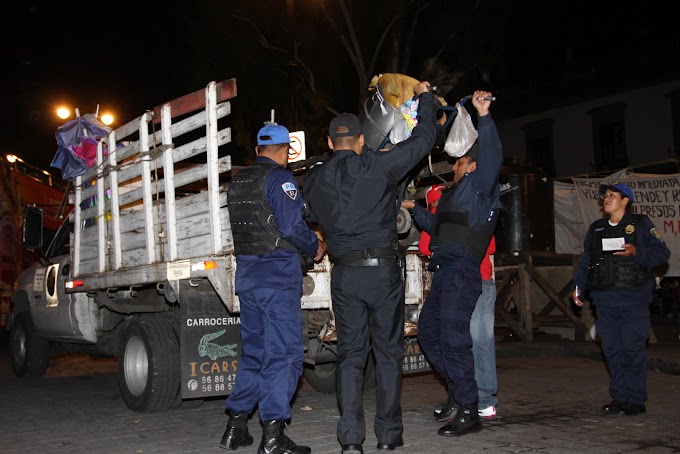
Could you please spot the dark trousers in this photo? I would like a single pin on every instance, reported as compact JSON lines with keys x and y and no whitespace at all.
{"x":444,"y":329}
{"x":368,"y":303}
{"x":271,"y":363}
{"x":624,"y":332}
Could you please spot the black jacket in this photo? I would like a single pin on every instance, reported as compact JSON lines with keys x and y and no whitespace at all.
{"x":354,"y":197}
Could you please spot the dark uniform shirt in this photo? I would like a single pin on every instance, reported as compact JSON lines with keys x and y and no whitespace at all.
{"x":281,"y":268}
{"x":650,"y":252}
{"x":354,"y":197}
{"x":477,"y":194}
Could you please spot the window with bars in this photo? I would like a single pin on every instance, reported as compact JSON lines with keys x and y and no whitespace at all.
{"x":538,"y":138}
{"x":609,"y":137}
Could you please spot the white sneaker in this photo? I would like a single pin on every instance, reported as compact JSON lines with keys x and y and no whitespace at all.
{"x":488,"y":412}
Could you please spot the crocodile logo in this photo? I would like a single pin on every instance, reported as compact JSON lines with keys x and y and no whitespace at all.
{"x":212,"y":350}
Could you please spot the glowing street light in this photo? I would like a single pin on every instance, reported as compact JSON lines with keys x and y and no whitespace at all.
{"x":107,"y":119}
{"x":63,"y":113}
{"x":11,"y":158}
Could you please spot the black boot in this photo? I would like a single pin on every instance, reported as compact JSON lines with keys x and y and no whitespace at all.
{"x":275,"y":442}
{"x":447,"y":411}
{"x":236,"y":434}
{"x":465,"y":421}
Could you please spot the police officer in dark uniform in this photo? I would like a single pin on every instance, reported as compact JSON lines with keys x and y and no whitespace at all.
{"x":353,"y":196}
{"x":460,"y":233}
{"x":265,"y":209}
{"x":620,"y":252}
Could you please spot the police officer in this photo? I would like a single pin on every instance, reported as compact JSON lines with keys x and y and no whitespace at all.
{"x":265,"y":209}
{"x":353,"y":196}
{"x":461,"y":231}
{"x":481,"y":325}
{"x":619,"y":254}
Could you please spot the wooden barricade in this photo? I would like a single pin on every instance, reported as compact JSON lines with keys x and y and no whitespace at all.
{"x":514,"y":303}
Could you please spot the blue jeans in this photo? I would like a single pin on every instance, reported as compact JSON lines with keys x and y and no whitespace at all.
{"x":484,"y":345}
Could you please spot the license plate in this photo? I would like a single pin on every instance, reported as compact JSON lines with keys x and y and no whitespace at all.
{"x":414,"y":358}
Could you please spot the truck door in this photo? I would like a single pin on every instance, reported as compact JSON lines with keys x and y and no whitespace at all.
{"x":53,"y":308}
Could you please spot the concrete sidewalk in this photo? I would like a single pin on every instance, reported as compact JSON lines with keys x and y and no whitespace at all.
{"x":549,"y":392}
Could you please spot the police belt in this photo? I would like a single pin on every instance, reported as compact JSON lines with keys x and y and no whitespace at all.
{"x":379,"y":256}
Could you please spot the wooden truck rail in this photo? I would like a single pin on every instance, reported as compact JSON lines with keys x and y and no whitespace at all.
{"x":139,"y":227}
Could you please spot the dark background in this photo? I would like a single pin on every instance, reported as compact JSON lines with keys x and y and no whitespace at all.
{"x":132,"y":56}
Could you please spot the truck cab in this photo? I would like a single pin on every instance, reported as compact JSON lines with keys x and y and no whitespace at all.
{"x":43,"y":311}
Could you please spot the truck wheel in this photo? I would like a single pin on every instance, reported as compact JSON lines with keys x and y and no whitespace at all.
{"x":148,"y":365}
{"x":322,"y":377}
{"x":29,"y":352}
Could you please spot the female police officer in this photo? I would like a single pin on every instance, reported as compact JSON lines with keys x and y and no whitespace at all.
{"x":619,"y":254}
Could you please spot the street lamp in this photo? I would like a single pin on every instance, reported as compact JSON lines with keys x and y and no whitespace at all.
{"x":65,"y":112}
{"x":107,"y":119}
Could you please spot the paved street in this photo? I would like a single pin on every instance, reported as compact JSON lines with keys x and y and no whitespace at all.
{"x":549,"y":400}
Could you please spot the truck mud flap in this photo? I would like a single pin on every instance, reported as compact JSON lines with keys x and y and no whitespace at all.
{"x":210,"y":346}
{"x":414,"y":358}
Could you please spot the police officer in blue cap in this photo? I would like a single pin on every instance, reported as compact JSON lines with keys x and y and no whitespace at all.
{"x":265,"y":209}
{"x":620,"y":252}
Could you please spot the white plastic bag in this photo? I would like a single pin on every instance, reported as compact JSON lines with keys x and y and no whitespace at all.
{"x":462,"y":134}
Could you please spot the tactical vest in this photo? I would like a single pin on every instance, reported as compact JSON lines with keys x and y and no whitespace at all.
{"x":471,"y":229}
{"x":253,"y":225}
{"x":615,"y":272}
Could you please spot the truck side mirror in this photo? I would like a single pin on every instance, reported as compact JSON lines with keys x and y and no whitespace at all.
{"x":33,"y":228}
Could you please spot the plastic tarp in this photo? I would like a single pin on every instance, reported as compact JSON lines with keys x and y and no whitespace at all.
{"x":77,"y":145}
{"x":569,"y":226}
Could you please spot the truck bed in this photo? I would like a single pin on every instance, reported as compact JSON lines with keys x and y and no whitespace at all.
{"x":164,"y":209}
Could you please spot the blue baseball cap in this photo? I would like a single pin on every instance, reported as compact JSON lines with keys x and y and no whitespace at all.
{"x":272,"y":135}
{"x":621,"y":188}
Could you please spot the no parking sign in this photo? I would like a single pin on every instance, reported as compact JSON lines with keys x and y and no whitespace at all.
{"x":297,"y":146}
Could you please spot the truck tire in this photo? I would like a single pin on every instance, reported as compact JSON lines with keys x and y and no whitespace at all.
{"x":148,"y":365}
{"x":29,"y":352}
{"x":322,"y":376}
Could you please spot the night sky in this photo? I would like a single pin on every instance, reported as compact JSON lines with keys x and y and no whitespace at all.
{"x":137,"y":55}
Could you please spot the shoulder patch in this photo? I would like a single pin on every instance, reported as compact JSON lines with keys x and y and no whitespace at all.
{"x":290,"y":189}
{"x":656,"y":233}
